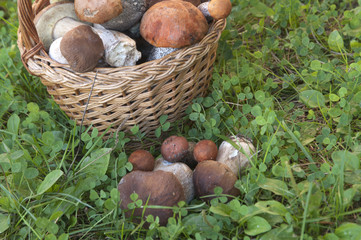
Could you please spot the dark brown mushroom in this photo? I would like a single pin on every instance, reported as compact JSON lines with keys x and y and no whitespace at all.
{"x":153,"y":188}
{"x":210,"y":174}
{"x":82,"y":48}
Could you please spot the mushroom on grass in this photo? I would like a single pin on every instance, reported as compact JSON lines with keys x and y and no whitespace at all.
{"x":205,"y":150}
{"x":173,"y":24}
{"x":224,"y":171}
{"x":174,"y":148}
{"x":142,"y":160}
{"x":158,"y":188}
{"x":57,"y":19}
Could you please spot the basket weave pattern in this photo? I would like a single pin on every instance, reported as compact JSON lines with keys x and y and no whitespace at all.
{"x":143,"y":92}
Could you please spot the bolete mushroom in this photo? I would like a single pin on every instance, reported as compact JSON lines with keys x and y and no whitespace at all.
{"x":182,"y":172}
{"x":205,"y":150}
{"x":174,"y":148}
{"x":173,"y":24}
{"x":224,"y":171}
{"x":97,"y":11}
{"x":158,"y":188}
{"x":142,"y":160}
{"x":216,"y":9}
{"x":57,"y":19}
{"x":210,"y":174}
{"x":82,"y":48}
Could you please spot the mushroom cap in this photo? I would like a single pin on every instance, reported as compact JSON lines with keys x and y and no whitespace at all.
{"x":162,"y":188}
{"x":174,"y":148}
{"x":82,"y":48}
{"x":46,"y":19}
{"x":205,"y":150}
{"x":219,"y":9}
{"x":173,"y":24}
{"x":97,"y":11}
{"x":182,"y":172}
{"x":142,"y":160}
{"x":210,"y":174}
{"x":152,"y":2}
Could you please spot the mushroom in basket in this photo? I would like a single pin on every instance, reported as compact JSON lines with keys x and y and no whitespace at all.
{"x":170,"y":25}
{"x":57,"y":19}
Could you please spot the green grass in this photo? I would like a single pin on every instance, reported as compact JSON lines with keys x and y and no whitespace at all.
{"x":287,"y":76}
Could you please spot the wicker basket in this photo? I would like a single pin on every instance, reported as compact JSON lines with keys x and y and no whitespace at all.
{"x":143,"y":92}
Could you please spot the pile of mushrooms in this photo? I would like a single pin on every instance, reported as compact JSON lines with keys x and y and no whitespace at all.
{"x":93,"y":33}
{"x":185,"y":170}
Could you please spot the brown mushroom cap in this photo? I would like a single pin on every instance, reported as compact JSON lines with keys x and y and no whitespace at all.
{"x":210,"y":174}
{"x":174,"y":148}
{"x":142,"y":160}
{"x":173,"y":24}
{"x":205,"y":150}
{"x":97,"y":11}
{"x":219,"y":9}
{"x":162,"y":188}
{"x":82,"y":48}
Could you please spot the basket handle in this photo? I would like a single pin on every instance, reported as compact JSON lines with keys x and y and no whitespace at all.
{"x":29,"y":36}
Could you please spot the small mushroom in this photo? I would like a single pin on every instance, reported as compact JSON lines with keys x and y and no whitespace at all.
{"x":182,"y":172}
{"x":96,"y":11}
{"x":224,"y":171}
{"x":216,"y":9}
{"x":174,"y":148}
{"x":158,"y":188}
{"x":205,"y":150}
{"x":82,"y":48}
{"x":173,"y":24}
{"x":57,"y":19}
{"x":142,"y":160}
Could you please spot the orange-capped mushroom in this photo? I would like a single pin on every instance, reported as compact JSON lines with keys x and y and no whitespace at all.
{"x":173,"y":24}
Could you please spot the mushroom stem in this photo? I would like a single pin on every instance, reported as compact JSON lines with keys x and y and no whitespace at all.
{"x":233,"y":158}
{"x":182,"y":172}
{"x":120,"y":50}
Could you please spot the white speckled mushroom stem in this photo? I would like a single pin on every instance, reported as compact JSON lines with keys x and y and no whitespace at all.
{"x":182,"y":172}
{"x":234,"y":159}
{"x":120,"y":50}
